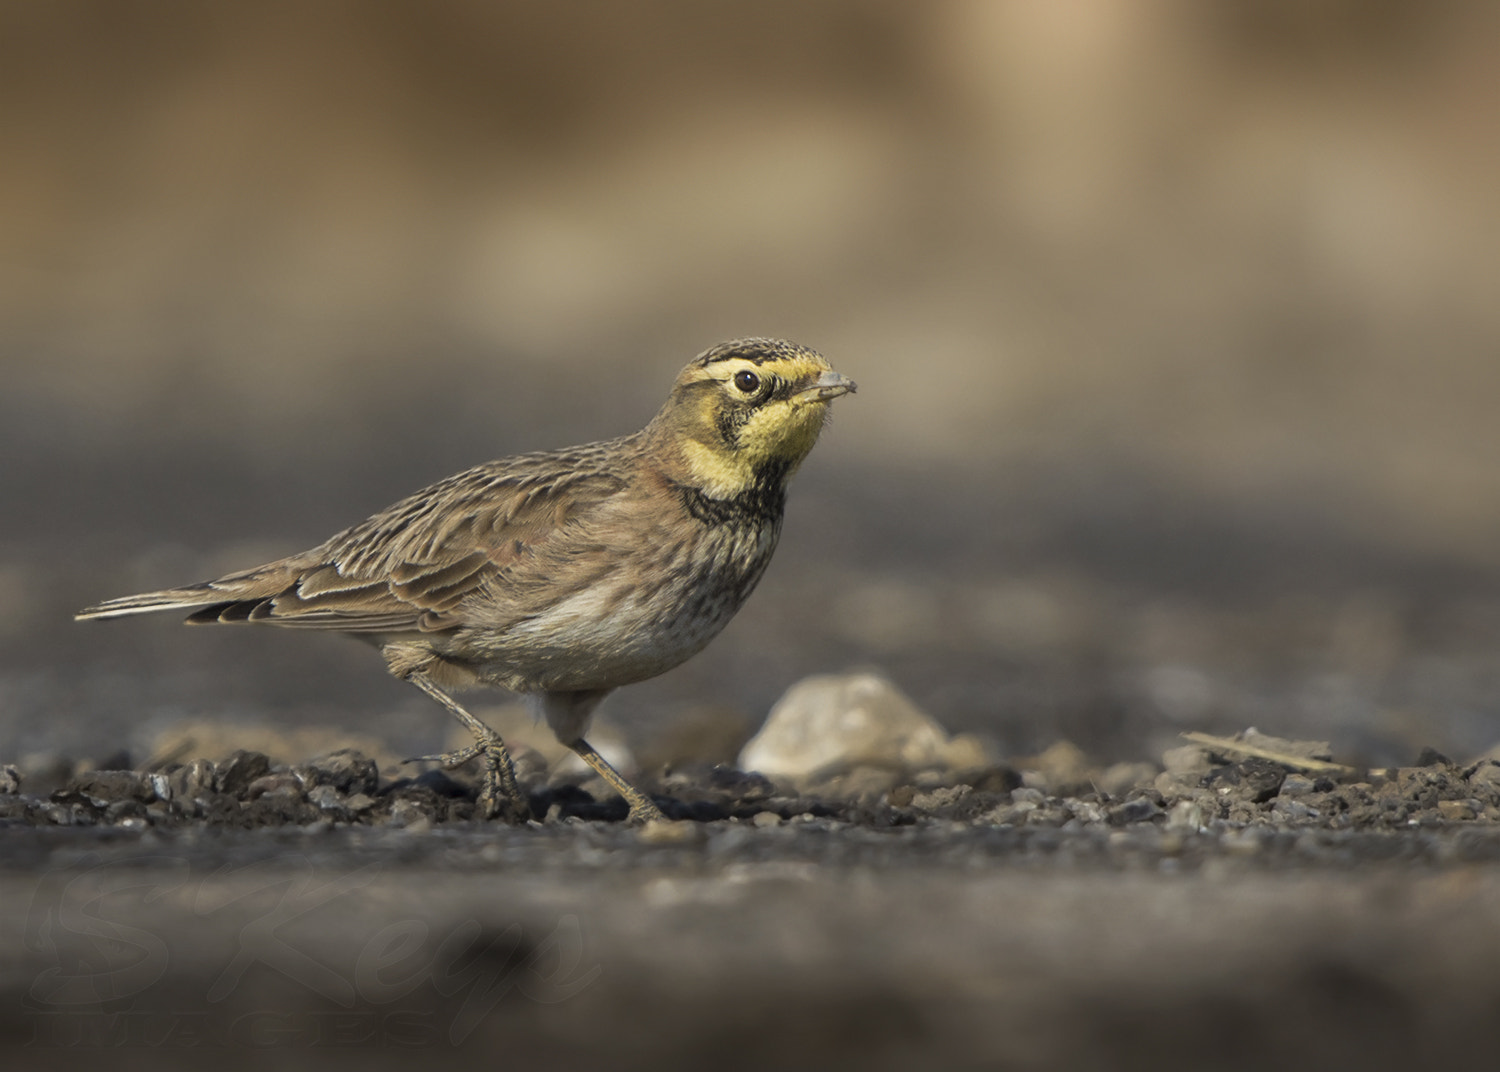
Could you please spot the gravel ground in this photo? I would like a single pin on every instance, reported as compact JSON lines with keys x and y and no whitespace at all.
{"x":1217,"y":909}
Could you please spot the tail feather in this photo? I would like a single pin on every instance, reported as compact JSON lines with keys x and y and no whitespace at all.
{"x":272,"y":594}
{"x":151,"y":602}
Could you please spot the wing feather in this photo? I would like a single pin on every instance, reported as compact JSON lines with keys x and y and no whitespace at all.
{"x":422,"y":564}
{"x":413,"y":566}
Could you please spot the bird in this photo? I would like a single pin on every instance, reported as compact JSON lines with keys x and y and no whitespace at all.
{"x":559,"y":575}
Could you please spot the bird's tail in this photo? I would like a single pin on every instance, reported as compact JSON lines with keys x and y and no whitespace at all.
{"x":198,"y":595}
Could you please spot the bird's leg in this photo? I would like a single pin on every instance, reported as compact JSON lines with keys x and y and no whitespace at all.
{"x":569,"y":713}
{"x":642,"y":810}
{"x":499,"y":772}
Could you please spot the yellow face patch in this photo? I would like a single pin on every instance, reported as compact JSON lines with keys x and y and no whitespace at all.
{"x":759,"y":417}
{"x":744,"y":414}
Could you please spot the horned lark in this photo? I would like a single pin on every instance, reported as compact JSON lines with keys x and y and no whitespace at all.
{"x":562,"y":574}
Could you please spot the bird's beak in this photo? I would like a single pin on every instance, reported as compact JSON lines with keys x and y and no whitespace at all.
{"x":827,"y":387}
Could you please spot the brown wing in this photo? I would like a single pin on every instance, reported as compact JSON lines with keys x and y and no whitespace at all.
{"x":412,"y":566}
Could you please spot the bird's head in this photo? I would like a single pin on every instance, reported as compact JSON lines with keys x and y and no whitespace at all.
{"x":745,"y":413}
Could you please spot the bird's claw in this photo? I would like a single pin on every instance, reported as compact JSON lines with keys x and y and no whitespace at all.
{"x":450,"y":760}
{"x":643,"y":812}
{"x":500,"y":794}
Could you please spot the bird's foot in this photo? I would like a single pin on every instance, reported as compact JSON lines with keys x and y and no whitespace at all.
{"x":643,"y":811}
{"x":500,"y":796}
{"x":450,"y":760}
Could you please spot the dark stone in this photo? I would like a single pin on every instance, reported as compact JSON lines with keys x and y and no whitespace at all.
{"x":438,"y":781}
{"x":1261,"y":779}
{"x":191,"y":780}
{"x":972,"y":805}
{"x":327,"y":799}
{"x":1133,"y":811}
{"x":436,"y":806}
{"x":565,"y":794}
{"x":284,"y":784}
{"x":217,"y":809}
{"x":614,"y":810}
{"x":235,"y":774}
{"x":1228,"y":774}
{"x":715,"y":784}
{"x":1257,"y":780}
{"x":573,"y":802}
{"x":278,"y":809}
{"x":121,"y":810}
{"x":19,"y":810}
{"x":698,"y":811}
{"x":1423,"y":787}
{"x":745,"y":786}
{"x":103,"y":787}
{"x":347,"y":770}
{"x":994,"y":780}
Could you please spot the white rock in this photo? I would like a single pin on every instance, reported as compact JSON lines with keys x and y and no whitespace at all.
{"x":836,"y":722}
{"x":1186,"y":816}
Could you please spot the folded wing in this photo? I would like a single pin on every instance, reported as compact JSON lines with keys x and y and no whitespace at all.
{"x":414,"y":567}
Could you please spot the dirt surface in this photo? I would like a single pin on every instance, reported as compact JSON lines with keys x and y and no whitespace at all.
{"x":1218,"y":908}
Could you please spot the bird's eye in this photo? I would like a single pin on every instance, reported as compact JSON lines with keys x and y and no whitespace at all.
{"x":746,"y":381}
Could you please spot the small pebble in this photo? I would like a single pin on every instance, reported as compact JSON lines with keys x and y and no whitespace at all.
{"x":359,"y":802}
{"x":1297,"y":785}
{"x":1185,"y":816}
{"x":1458,"y":809}
{"x":326,"y":797}
{"x":410,"y":816}
{"x":1133,"y":811}
{"x":941,"y":798}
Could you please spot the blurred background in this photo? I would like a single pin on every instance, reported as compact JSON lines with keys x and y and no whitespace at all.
{"x":1175,"y":326}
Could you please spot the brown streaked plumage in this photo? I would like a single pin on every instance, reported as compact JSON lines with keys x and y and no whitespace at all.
{"x":561,"y":574}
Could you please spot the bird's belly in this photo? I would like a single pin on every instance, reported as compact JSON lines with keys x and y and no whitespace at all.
{"x":621,"y":630}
